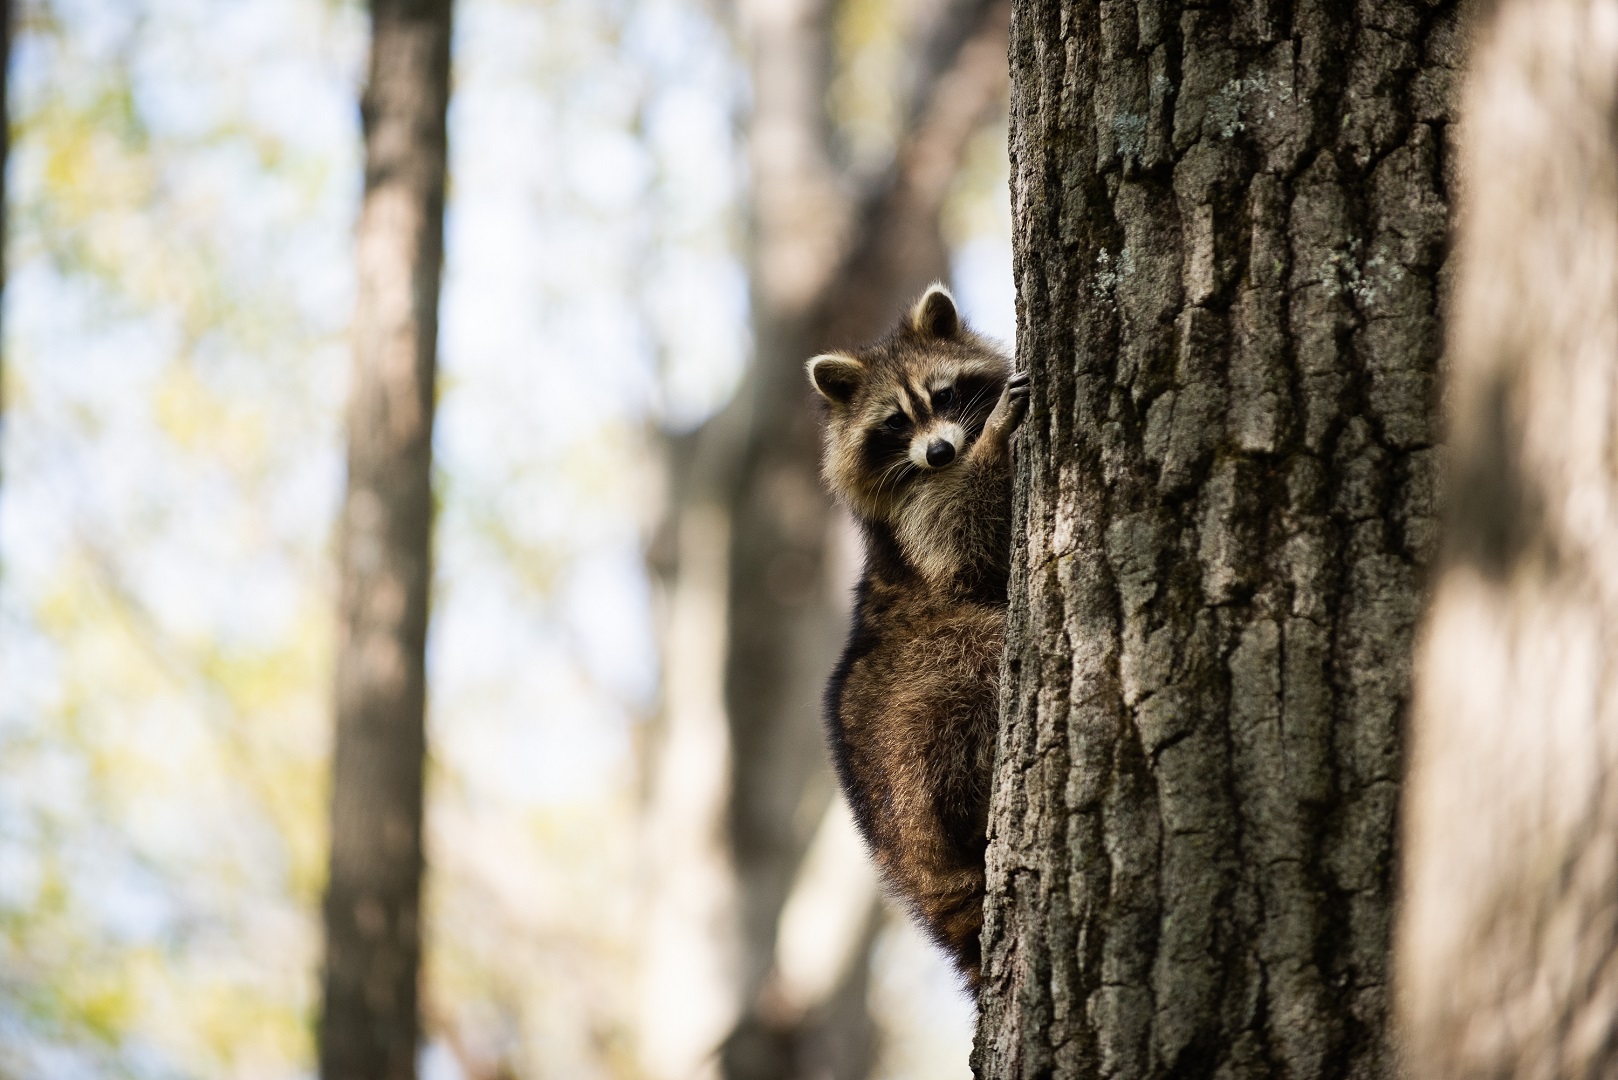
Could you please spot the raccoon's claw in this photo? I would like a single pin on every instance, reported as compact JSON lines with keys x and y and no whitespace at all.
{"x":1014,"y":401}
{"x":1009,"y":410}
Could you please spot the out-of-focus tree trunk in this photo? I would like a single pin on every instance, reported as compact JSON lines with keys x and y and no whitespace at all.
{"x":687,"y":995}
{"x":752,"y":547}
{"x":1229,"y":228}
{"x":824,"y":274}
{"x":1507,"y":962}
{"x":783,"y":590}
{"x":368,"y":1027}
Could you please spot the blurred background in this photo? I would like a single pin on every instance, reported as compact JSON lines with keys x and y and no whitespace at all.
{"x":657,"y":209}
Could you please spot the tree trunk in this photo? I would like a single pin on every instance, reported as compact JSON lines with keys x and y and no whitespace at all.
{"x":1509,"y":927}
{"x":1229,"y":236}
{"x":368,"y":1025}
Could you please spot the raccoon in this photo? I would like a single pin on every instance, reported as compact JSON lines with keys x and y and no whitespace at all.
{"x":917,"y":447}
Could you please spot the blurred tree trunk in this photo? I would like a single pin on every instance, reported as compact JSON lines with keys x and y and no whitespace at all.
{"x":1508,"y":936}
{"x":783,"y":588}
{"x":368,"y":1028}
{"x":688,"y":998}
{"x":1229,"y":234}
{"x":756,"y":586}
{"x":825,"y":273}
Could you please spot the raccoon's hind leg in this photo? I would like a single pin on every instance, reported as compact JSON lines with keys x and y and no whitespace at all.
{"x":946,"y":896}
{"x":954,"y":915}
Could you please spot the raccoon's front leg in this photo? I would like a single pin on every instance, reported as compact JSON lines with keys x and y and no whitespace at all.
{"x":957,"y":531}
{"x":980,"y":516}
{"x":994,"y":445}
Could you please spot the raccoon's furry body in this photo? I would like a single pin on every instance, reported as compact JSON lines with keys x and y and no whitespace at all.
{"x":917,"y":448}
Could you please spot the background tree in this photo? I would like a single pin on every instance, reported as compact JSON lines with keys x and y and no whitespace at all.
{"x":816,"y":286}
{"x":1229,"y":236}
{"x":368,"y":1027}
{"x":755,"y":574}
{"x":1508,"y":928}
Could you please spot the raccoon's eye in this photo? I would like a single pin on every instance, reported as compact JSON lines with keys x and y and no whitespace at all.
{"x":943,"y":399}
{"x":897,"y":422}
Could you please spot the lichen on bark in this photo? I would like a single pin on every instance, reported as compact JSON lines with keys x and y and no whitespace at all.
{"x":1229,"y":243}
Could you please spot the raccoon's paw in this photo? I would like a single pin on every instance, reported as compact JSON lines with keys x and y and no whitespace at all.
{"x":1009,"y":410}
{"x":1016,"y":397}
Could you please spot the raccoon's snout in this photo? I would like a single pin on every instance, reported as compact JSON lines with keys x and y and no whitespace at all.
{"x":937,"y":446}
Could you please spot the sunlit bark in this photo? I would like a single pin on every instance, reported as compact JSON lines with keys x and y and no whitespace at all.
{"x":369,"y":1024}
{"x":1508,"y":937}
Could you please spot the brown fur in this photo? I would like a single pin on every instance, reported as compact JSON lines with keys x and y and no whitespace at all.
{"x":912,"y":707}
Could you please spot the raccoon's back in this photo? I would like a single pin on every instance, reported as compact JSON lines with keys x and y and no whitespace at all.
{"x":911,"y":711}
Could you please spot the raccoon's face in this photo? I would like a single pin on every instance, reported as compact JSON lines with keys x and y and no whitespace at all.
{"x":903,"y":411}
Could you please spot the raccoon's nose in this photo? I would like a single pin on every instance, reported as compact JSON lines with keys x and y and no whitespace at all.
{"x":940,"y":452}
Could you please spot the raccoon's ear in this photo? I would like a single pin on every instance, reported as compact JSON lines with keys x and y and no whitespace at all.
{"x":934,"y":315}
{"x":836,"y":376}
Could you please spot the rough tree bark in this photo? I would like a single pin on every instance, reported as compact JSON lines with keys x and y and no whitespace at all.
{"x":1229,"y":233}
{"x":1508,"y":931}
{"x":829,"y":266}
{"x":368,"y":1028}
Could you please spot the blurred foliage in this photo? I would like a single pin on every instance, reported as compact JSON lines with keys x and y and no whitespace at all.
{"x":184,"y":179}
{"x":166,"y":630}
{"x":873,"y":78}
{"x":977,"y":209}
